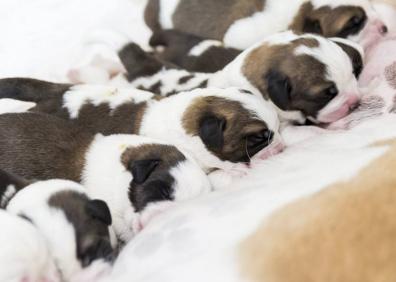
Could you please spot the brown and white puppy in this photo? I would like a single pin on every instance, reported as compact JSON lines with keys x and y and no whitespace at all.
{"x":136,"y":176}
{"x":345,"y":233}
{"x":220,"y":128}
{"x":191,"y":52}
{"x":233,"y":21}
{"x":74,"y":227}
{"x":323,"y":90}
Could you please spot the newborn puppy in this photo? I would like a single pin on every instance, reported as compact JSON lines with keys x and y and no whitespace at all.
{"x":138,"y":177}
{"x":74,"y":227}
{"x":323,"y":90}
{"x":191,"y":52}
{"x":220,"y":128}
{"x":24,"y":252}
{"x":233,"y":21}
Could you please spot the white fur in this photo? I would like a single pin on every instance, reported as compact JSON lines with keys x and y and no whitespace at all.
{"x":7,"y":195}
{"x":24,"y":253}
{"x":14,"y":106}
{"x":274,"y":18}
{"x":170,"y":81}
{"x":32,"y":201}
{"x":203,"y":46}
{"x":79,"y":95}
{"x":106,"y":178}
{"x":167,"y":8}
{"x":171,"y":128}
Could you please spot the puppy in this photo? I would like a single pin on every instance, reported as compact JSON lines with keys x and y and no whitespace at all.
{"x":138,"y":177}
{"x":323,"y":90}
{"x":191,"y":52}
{"x":233,"y":21}
{"x":75,"y":228}
{"x":24,"y":246}
{"x":220,"y":128}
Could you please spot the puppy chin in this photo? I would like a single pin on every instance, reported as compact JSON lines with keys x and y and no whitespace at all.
{"x":339,"y":108}
{"x":373,"y":32}
{"x":98,"y":270}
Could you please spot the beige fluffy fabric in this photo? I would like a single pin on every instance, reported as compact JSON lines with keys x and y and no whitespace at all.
{"x":344,"y":234}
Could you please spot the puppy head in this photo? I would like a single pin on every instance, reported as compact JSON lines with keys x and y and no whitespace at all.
{"x":307,"y":75}
{"x":139,"y":177}
{"x":352,"y":19}
{"x":75,"y":227}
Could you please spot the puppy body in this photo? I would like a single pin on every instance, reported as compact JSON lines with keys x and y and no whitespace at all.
{"x":355,"y":19}
{"x":74,"y":228}
{"x":325,"y":93}
{"x":203,"y":122}
{"x":24,"y":246}
{"x":136,"y":176}
{"x":191,"y":52}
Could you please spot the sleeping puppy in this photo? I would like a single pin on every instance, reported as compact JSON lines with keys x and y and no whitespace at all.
{"x":353,"y":19}
{"x":323,"y":90}
{"x":138,"y":177}
{"x":220,"y":128}
{"x":191,"y":52}
{"x":74,"y":227}
{"x":24,"y":246}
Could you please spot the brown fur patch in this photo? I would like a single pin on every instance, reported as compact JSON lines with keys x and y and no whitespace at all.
{"x":345,"y":233}
{"x":332,"y":20}
{"x":211,"y":19}
{"x":239,"y":124}
{"x":40,"y":146}
{"x":125,"y":119}
{"x":169,"y":155}
{"x":151,"y":14}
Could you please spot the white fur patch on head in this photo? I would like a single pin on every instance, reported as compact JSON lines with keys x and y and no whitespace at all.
{"x":52,"y":223}
{"x":24,"y":254}
{"x":77,"y":96}
{"x":167,"y":8}
{"x":203,"y":46}
{"x":106,"y":178}
{"x":190,"y":180}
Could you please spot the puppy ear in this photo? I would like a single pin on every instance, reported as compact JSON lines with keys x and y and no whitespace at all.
{"x":98,"y":209}
{"x":10,"y":184}
{"x":211,"y":131}
{"x":142,"y":169}
{"x":279,"y":89}
{"x":355,"y":55}
{"x":138,"y":62}
{"x":312,"y":26}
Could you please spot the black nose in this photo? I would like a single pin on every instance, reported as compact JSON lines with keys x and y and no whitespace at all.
{"x":384,"y":29}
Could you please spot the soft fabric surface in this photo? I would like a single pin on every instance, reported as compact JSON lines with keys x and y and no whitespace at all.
{"x":198,"y":240}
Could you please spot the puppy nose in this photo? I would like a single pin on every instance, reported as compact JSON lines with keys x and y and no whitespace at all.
{"x":383,"y":29}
